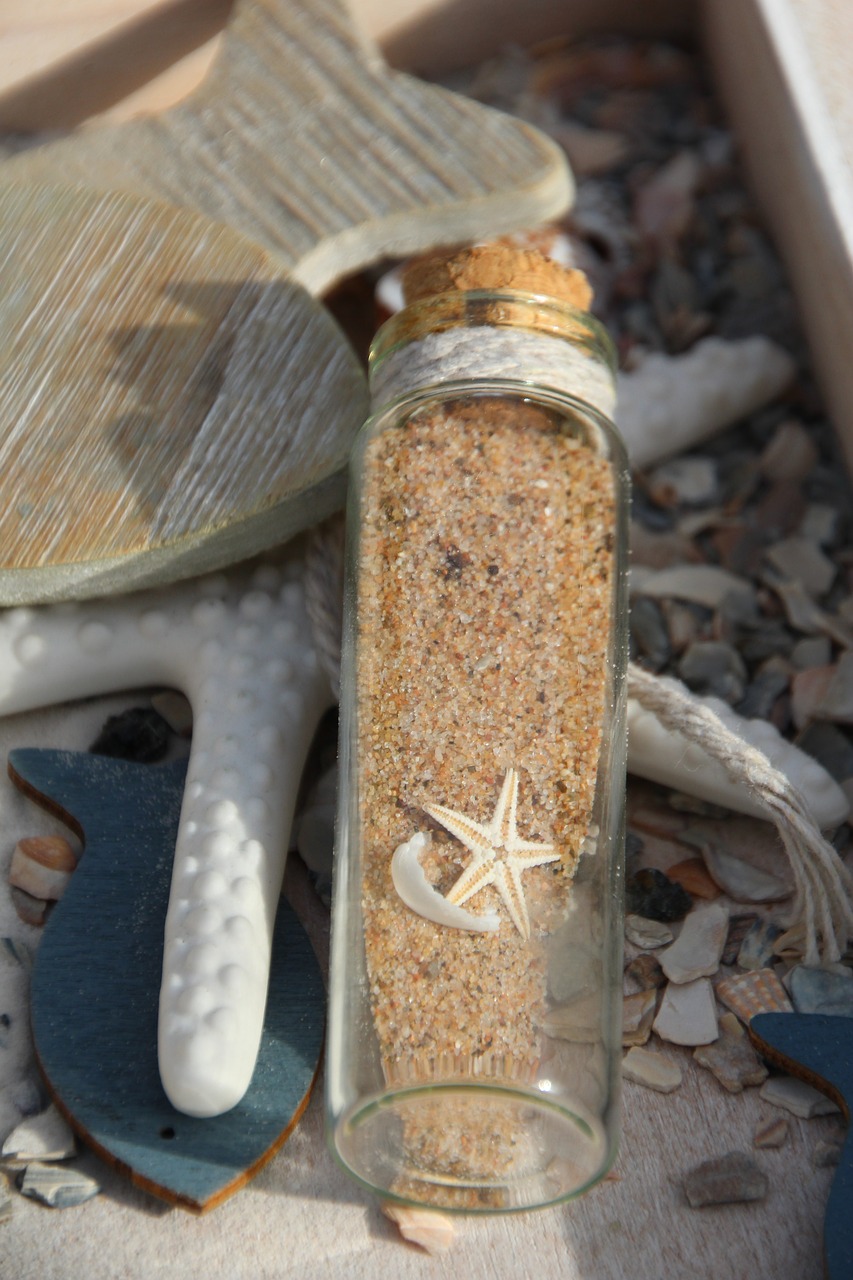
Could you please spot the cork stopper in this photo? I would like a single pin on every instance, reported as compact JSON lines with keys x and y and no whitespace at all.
{"x":495,"y":266}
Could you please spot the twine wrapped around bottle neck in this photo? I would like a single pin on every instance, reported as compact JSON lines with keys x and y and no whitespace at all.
{"x":483,"y":354}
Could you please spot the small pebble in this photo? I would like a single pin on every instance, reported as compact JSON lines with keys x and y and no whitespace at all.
{"x":711,"y":668}
{"x":797,"y":1097}
{"x":757,"y":948}
{"x":434,"y":1232}
{"x":826,"y":1155}
{"x":45,"y":1136}
{"x":687,"y":1014}
{"x":139,"y":734}
{"x":29,"y":1096}
{"x":643,"y":1066}
{"x":175,"y":710}
{"x":821,"y":990}
{"x":6,"y":1206}
{"x":652,"y":894}
{"x":649,"y":633}
{"x":820,"y":523}
{"x":791,"y":453}
{"x":729,"y":1179}
{"x":646,"y":934}
{"x":697,"y":583}
{"x":688,"y":481}
{"x":811,"y":651}
{"x":739,"y":927}
{"x":837,"y":705}
{"x":763,"y":693}
{"x":17,"y":954}
{"x":802,"y":561}
{"x":31,"y":910}
{"x":772,"y":1132}
{"x":58,"y":1186}
{"x":42,"y":866}
{"x":732,"y":1058}
{"x":694,"y":877}
{"x":831,"y":747}
{"x":643,"y":973}
{"x":742,"y":881}
{"x":638,"y":1012}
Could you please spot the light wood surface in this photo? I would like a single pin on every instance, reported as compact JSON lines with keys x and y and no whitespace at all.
{"x":785,"y":72}
{"x":171,"y":402}
{"x":302,"y":138}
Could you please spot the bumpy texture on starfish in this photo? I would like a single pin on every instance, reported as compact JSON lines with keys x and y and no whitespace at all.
{"x":486,"y":843}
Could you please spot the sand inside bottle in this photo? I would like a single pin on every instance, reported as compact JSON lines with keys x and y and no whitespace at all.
{"x":484,"y":633}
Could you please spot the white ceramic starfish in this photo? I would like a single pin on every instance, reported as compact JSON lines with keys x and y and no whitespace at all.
{"x":487,"y":843}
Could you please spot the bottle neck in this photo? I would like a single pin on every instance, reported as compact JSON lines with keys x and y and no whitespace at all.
{"x":490,"y":355}
{"x":488,"y":337}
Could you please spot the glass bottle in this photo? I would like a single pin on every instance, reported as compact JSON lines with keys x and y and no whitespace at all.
{"x":475,"y":988}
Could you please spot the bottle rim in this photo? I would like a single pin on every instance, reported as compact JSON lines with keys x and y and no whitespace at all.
{"x":493,"y":309}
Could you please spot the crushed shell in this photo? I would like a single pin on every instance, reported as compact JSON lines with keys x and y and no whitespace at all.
{"x":758,"y":991}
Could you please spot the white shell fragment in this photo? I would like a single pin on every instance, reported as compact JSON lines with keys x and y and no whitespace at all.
{"x":419,"y":895}
{"x":667,"y":757}
{"x":669,"y":403}
{"x":651,"y":1069}
{"x":697,"y":949}
{"x":797,"y":1097}
{"x":688,"y":1013}
{"x":58,"y":1186}
{"x":42,"y":866}
{"x":433,"y":1231}
{"x":43,"y":1137}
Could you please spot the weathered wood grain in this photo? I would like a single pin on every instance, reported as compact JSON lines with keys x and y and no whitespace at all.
{"x":94,"y":1007}
{"x":170,"y":401}
{"x":302,"y":138}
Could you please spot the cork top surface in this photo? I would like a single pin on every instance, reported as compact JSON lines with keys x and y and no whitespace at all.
{"x":495,"y":266}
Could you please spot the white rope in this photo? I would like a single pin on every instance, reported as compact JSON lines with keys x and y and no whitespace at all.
{"x":823,"y":885}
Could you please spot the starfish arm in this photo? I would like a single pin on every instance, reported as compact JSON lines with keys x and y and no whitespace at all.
{"x":475,"y":837}
{"x":502,"y":825}
{"x":508,"y":884}
{"x":532,"y":854}
{"x":475,"y":877}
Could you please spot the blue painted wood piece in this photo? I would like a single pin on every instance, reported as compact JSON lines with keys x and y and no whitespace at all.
{"x":96,"y":983}
{"x":818,"y":1048}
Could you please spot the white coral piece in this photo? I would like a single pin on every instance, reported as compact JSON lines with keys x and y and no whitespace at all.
{"x":665,"y":756}
{"x":670,"y":403}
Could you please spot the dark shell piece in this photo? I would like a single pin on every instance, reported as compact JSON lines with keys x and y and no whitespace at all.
{"x":652,"y":894}
{"x":139,"y":734}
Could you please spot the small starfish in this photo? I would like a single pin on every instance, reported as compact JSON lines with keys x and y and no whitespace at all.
{"x":485,"y":842}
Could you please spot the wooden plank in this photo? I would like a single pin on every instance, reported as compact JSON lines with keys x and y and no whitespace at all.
{"x":785,"y":72}
{"x":94,"y":1008}
{"x":171,"y":400}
